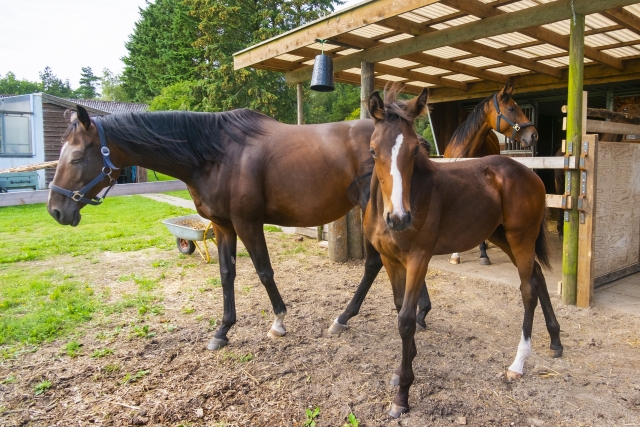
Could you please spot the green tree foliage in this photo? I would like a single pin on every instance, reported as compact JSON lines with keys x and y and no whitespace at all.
{"x":111,"y":85}
{"x":178,"y":96}
{"x":230,"y":26}
{"x":87,"y":89}
{"x":52,"y":85}
{"x":9,"y":85}
{"x":161,"y":50}
{"x":322,"y":107}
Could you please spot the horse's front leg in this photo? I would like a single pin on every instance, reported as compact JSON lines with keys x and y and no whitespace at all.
{"x":252,"y":235}
{"x":226,"y":239}
{"x":415,"y":275}
{"x":484,"y":258}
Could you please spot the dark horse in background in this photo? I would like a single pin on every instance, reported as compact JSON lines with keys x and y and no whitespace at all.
{"x":475,"y":136}
{"x":416,"y":210}
{"x":243,"y":169}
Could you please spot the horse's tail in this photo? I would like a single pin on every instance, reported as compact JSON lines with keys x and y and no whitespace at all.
{"x":542,"y":244}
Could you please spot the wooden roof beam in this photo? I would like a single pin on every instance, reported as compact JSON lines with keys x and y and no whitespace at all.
{"x":504,"y":23}
{"x":623,"y":17}
{"x":476,"y":48}
{"x":354,"y":79}
{"x":484,"y":11}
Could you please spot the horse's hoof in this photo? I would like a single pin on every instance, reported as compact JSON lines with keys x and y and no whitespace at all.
{"x":275,"y":334}
{"x":485,"y":261}
{"x":336,"y":328}
{"x":454,"y":260}
{"x":396,"y":411}
{"x":395,"y":379}
{"x":216,"y":344}
{"x":420,"y":328}
{"x":512,"y":376}
{"x":556,"y":353}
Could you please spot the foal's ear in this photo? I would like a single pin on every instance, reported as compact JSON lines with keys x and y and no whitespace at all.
{"x":418,"y":105}
{"x":83,"y":117}
{"x":376,"y":106}
{"x":507,"y":90}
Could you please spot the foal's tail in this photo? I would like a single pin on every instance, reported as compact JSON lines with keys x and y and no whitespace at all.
{"x":542,"y":244}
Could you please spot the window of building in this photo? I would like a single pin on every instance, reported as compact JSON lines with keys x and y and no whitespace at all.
{"x":15,"y":126}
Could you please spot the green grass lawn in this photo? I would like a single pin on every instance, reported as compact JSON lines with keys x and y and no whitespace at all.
{"x":37,"y":305}
{"x":153,"y":177}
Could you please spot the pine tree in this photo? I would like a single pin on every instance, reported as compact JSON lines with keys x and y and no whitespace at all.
{"x":87,"y":89}
{"x":52,"y":85}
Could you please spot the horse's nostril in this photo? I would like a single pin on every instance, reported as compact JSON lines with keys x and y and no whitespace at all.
{"x":56,"y":214}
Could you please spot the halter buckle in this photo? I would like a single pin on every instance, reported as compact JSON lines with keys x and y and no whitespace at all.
{"x":516,"y":127}
{"x":105,"y":150}
{"x":76,"y":196}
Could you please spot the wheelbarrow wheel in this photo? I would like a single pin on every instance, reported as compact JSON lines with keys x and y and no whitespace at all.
{"x":185,"y":246}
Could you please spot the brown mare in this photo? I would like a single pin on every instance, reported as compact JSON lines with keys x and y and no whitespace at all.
{"x":474,"y":137}
{"x":243,"y":169}
{"x":419,"y":208}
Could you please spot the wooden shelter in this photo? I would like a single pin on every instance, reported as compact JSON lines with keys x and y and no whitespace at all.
{"x":468,"y":49}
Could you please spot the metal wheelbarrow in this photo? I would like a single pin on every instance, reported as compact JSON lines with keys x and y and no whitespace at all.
{"x":189,"y":230}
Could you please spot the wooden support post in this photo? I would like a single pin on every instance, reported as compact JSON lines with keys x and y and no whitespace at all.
{"x":573,"y":143}
{"x":367,"y":80}
{"x":300,"y":99}
{"x":587,"y":221}
{"x":338,"y":245}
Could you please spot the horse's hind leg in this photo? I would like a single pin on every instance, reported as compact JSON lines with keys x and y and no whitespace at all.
{"x":226,"y":240}
{"x":252,"y":235}
{"x":522,"y":255}
{"x":372,"y":266}
{"x":549,"y":316}
{"x":484,"y":258}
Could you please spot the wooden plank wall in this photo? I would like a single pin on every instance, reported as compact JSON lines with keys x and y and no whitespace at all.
{"x":617,"y":234}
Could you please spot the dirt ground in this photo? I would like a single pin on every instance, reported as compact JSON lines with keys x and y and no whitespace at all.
{"x":472,"y":335}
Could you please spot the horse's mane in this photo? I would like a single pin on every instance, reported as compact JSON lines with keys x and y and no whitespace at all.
{"x":394,"y":107}
{"x":187,"y":138}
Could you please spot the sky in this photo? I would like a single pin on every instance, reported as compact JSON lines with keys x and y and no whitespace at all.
{"x":67,"y":35}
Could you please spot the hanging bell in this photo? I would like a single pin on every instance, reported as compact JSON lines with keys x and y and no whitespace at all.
{"x":322,"y":77}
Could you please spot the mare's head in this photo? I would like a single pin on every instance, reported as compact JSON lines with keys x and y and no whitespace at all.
{"x":627,"y":106}
{"x":506,"y":117}
{"x":81,"y":161}
{"x":394,"y":146}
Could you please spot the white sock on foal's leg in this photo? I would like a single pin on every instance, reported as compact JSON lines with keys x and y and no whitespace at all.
{"x":524,"y":351}
{"x":277,"y":329}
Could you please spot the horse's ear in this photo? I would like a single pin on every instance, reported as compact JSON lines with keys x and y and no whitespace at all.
{"x":507,"y":90}
{"x":418,"y":105}
{"x":83,"y":117}
{"x":376,"y":106}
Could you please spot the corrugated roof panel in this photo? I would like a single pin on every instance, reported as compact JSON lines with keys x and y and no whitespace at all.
{"x":509,"y":69}
{"x":522,"y":53}
{"x":371,"y":31}
{"x":435,"y":10}
{"x":634,"y":8}
{"x":462,"y":20}
{"x":414,"y":17}
{"x":396,"y":38}
{"x":545,"y":1}
{"x":328,"y":47}
{"x":309,"y":62}
{"x":460,"y":77}
{"x":621,"y":52}
{"x":488,"y":1}
{"x":479,"y":61}
{"x":433,"y":71}
{"x":446,"y":52}
{"x":560,"y":27}
{"x":596,"y":20}
{"x":623,"y":35}
{"x":521,"y":5}
{"x":353,"y":71}
{"x":440,"y":26}
{"x":349,"y":51}
{"x":543,"y":49}
{"x":399,"y":63}
{"x":421,"y":84}
{"x":551,"y":63}
{"x":491,"y":43}
{"x":290,"y":58}
{"x":564,"y":60}
{"x":391,"y":78}
{"x":511,"y":39}
{"x":595,"y":40}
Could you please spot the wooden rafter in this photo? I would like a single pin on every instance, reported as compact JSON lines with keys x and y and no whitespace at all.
{"x":543,"y":34}
{"x":624,"y":18}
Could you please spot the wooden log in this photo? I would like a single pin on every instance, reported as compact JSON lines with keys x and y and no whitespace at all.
{"x":338,"y":246}
{"x":611,"y":115}
{"x":586,"y":228}
{"x":29,"y":168}
{"x":530,"y":162}
{"x":598,"y":126}
{"x":573,"y":141}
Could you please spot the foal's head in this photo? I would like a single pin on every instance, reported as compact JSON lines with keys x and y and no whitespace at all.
{"x":394,"y":146}
{"x":509,"y":119}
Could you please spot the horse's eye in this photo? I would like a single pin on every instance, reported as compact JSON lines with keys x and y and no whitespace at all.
{"x":76,"y":161}
{"x":372,"y":151}
{"x":511,"y":109}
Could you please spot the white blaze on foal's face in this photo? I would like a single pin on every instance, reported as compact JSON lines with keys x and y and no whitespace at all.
{"x":396,"y":176}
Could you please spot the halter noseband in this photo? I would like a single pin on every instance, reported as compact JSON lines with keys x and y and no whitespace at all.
{"x":107,"y":169}
{"x":515,"y":126}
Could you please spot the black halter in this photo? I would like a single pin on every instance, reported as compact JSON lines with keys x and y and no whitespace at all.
{"x":516,"y":127}
{"x":107,"y":169}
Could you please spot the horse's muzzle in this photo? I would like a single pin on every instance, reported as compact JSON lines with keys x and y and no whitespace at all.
{"x":531,"y":141}
{"x":397,"y":222}
{"x":71,"y":218}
